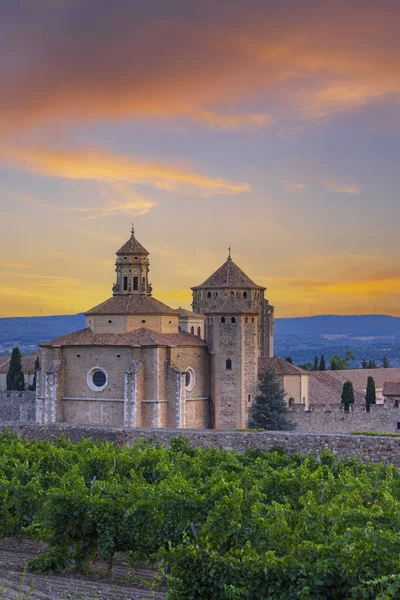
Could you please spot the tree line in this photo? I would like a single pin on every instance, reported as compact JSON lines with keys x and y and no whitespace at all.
{"x":337,"y":363}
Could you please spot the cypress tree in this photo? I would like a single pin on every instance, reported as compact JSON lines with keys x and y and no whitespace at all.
{"x":364,"y":364}
{"x":15,"y":376}
{"x":385,"y":362}
{"x":372,"y":365}
{"x":322,"y":365}
{"x":370,"y":396}
{"x":347,"y":395}
{"x":315,"y":366}
{"x":269,"y":410}
{"x":289,"y":359}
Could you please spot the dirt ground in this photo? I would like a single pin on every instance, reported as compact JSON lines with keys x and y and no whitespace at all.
{"x":70,"y":586}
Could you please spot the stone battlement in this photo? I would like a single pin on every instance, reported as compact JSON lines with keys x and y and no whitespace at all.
{"x":331,"y":418}
{"x":17,"y":406}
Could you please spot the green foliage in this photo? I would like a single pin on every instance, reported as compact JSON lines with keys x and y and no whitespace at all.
{"x":289,"y":359}
{"x":340,"y":364}
{"x":347,"y":395}
{"x":370,"y":396}
{"x":322,"y":364}
{"x":385,"y":362}
{"x":315,"y":365}
{"x":375,"y":433}
{"x":269,"y":410}
{"x":222,"y":526}
{"x":15,"y":376}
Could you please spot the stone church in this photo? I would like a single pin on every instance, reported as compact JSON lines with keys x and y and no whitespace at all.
{"x":140,"y":363}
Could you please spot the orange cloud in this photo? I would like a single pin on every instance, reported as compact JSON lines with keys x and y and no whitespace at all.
{"x":341,"y":189}
{"x":132,"y":60}
{"x":248,"y":122}
{"x":101,"y":165}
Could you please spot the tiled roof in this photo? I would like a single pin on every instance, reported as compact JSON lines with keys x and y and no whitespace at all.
{"x":131,"y":304}
{"x":132,"y":246}
{"x":391,"y":388}
{"x":182,"y":312}
{"x":229,"y":275}
{"x":27,"y":363}
{"x":231,"y":306}
{"x":139,"y":337}
{"x":359,"y":377}
{"x":326,"y":386}
{"x":280,"y":366}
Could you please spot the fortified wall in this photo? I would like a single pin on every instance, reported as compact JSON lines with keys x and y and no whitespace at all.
{"x":331,"y":418}
{"x":363,"y":447}
{"x":17,"y":406}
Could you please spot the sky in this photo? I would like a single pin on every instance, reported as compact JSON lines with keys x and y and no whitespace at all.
{"x":268,"y":126}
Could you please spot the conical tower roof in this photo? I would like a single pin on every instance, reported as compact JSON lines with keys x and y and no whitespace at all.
{"x":132,"y":246}
{"x":229,"y":275}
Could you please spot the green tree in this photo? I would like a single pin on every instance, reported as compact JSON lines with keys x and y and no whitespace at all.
{"x":370,"y":396}
{"x":347,"y":395}
{"x":315,"y":365}
{"x":372,"y":365}
{"x":340,"y":364}
{"x":34,"y":382}
{"x":15,"y":376}
{"x":322,"y":365}
{"x":289,"y":359}
{"x":270,"y":410}
{"x":385,"y":362}
{"x":364,"y":363}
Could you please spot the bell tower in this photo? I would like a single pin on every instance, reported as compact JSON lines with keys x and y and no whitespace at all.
{"x":132,"y":268}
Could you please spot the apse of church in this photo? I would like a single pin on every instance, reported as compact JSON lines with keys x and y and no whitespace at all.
{"x":141,"y":363}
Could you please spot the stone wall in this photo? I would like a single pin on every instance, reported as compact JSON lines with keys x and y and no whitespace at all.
{"x":375,"y":449}
{"x":17,"y":406}
{"x":383,"y":418}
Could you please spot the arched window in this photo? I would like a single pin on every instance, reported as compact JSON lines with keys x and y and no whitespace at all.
{"x":249,"y":398}
{"x":246,"y":320}
{"x":233,"y":294}
{"x":215,"y":294}
{"x":245,"y":295}
{"x":222,"y":319}
{"x":199,"y":331}
{"x":209,"y":295}
{"x":233,"y":320}
{"x":291,"y":401}
{"x":228,"y":364}
{"x":237,"y":294}
{"x":192,"y":330}
{"x":252,"y":319}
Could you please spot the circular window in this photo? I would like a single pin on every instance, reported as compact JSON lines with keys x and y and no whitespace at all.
{"x":144,"y":321}
{"x":190,"y":379}
{"x":97,"y":379}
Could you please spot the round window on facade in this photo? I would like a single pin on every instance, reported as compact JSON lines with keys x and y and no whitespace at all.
{"x":190,"y":379}
{"x":97,"y":379}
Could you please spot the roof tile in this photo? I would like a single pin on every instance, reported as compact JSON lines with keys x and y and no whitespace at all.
{"x":229,"y":275}
{"x":138,"y":337}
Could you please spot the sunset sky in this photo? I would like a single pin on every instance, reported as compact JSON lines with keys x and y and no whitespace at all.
{"x":270,"y":126}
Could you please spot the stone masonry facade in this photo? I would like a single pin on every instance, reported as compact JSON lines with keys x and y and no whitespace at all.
{"x":141,"y":363}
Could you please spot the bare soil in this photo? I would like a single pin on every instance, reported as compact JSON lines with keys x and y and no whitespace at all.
{"x":121,"y":585}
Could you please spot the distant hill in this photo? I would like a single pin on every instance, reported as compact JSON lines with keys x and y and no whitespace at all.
{"x":368,"y":336}
{"x":28,"y":332}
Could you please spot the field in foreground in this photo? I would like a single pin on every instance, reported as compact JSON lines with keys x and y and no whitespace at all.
{"x":16,"y":584}
{"x":213,"y":524}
